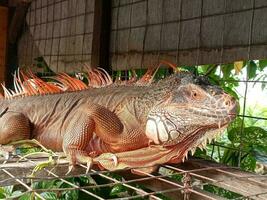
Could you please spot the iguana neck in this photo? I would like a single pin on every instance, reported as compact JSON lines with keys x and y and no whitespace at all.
{"x":154,"y":95}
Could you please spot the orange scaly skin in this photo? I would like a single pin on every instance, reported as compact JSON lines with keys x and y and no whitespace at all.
{"x":119,"y":126}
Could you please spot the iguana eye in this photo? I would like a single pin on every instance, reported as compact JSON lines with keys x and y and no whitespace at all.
{"x":194,"y":94}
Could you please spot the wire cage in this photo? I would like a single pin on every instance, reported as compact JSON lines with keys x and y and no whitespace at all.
{"x":64,"y":36}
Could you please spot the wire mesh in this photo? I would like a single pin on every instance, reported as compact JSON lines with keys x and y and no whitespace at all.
{"x":61,"y":33}
{"x":185,"y":32}
{"x":193,"y":176}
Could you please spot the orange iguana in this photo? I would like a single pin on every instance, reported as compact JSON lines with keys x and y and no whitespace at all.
{"x":140,"y":124}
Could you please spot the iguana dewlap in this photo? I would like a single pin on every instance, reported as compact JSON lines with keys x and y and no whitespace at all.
{"x":117,"y":126}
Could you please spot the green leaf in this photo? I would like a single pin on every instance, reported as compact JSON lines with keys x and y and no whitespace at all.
{"x":231,"y":92}
{"x":238,"y":65}
{"x":7,"y":190}
{"x":251,"y":135}
{"x":71,"y":195}
{"x":16,"y":194}
{"x":27,"y":196}
{"x":262,"y":64}
{"x":49,"y":195}
{"x":248,"y":163}
{"x":230,"y":156}
{"x":221,"y":191}
{"x":192,"y":69}
{"x":2,"y":193}
{"x":263,"y":85}
{"x":117,"y":189}
{"x":251,"y":69}
{"x":260,"y":152}
{"x":226,"y":70}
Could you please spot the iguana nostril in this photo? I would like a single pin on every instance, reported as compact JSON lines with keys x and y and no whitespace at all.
{"x":227,"y":103}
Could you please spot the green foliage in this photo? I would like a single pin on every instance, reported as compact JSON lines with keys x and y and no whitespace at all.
{"x":8,"y":192}
{"x":221,"y":192}
{"x":249,"y":136}
{"x":40,"y":63}
{"x":251,"y":69}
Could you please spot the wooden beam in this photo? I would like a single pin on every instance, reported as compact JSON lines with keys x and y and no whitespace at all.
{"x":101,"y":34}
{"x":4,"y":3}
{"x":3,"y":41}
{"x":205,"y":172}
{"x":15,"y":3}
{"x":164,"y":184}
{"x":235,"y":180}
{"x":17,"y":21}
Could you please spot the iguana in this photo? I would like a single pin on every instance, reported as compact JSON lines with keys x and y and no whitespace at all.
{"x":126,"y":125}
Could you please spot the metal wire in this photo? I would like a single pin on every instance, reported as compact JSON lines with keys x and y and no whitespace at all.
{"x":246,"y":87}
{"x":174,"y":186}
{"x":177,"y":170}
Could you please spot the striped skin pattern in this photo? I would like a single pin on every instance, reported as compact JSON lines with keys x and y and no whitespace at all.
{"x":139,"y":123}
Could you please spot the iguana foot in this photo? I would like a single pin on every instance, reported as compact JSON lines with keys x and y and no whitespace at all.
{"x":107,"y":159}
{"x":78,"y":156}
{"x":89,"y":165}
{"x":6,"y":151}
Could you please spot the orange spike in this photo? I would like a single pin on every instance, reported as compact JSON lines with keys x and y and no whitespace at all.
{"x":172,"y":65}
{"x":106,"y":75}
{"x":147,"y":77}
{"x":28,"y":84}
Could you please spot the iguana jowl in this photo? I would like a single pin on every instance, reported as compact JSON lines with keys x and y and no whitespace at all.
{"x":117,"y":126}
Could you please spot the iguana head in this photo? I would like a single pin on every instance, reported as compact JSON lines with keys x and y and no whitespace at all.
{"x":190,"y":112}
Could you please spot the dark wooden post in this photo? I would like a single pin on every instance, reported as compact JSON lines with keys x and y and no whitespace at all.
{"x":17,"y":14}
{"x":3,"y":42}
{"x":101,"y":34}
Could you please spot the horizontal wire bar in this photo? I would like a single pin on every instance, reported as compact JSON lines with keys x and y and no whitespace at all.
{"x":180,"y":173}
{"x":121,"y":4}
{"x":245,"y":177}
{"x":62,"y":37}
{"x":242,"y":81}
{"x":117,"y":181}
{"x":49,"y":4}
{"x":221,"y":170}
{"x":67,"y":182}
{"x":178,"y":185}
{"x":29,"y":189}
{"x":213,"y":181}
{"x":201,"y":48}
{"x":195,"y":18}
{"x":253,"y":117}
{"x":236,"y":149}
{"x":129,"y":181}
{"x":60,"y":19}
{"x":65,"y":55}
{"x":214,"y":14}
{"x":253,"y":195}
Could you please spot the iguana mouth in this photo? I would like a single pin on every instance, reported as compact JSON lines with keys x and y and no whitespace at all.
{"x":171,"y":129}
{"x":174,"y":124}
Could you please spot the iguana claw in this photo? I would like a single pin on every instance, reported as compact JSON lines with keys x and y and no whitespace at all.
{"x":115,"y":160}
{"x":107,"y":157}
{"x":89,"y":165}
{"x":69,"y":169}
{"x":6,"y":151}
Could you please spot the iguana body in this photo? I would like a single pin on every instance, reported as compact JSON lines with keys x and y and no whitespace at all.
{"x":140,"y":125}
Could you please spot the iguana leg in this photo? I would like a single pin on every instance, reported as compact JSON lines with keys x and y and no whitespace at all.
{"x":13,"y":127}
{"x":93,"y":118}
{"x":87,"y":120}
{"x":77,"y":138}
